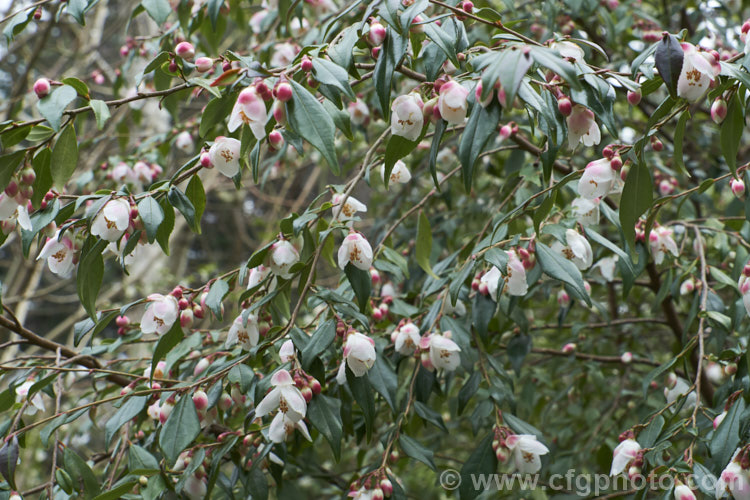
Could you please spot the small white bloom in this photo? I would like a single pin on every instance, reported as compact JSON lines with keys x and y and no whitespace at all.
{"x":399,"y":173}
{"x":160,"y":315}
{"x":661,"y":242}
{"x":569,"y":50}
{"x":526,"y":451}
{"x":59,"y":255}
{"x":286,"y":352}
{"x":283,"y":54}
{"x":250,"y":110}
{"x":282,"y":427}
{"x":10,"y":209}
{"x":359,"y":113}
{"x":623,"y":454}
{"x":681,"y":388}
{"x":607,"y":267}
{"x":697,"y":73}
{"x":357,"y":250}
{"x":407,"y":118}
{"x":406,"y":339}
{"x":582,"y":127}
{"x":36,"y":403}
{"x":452,"y":102}
{"x":257,"y":275}
{"x":112,"y":220}
{"x":247,"y":334}
{"x":184,"y":142}
{"x":359,"y":353}
{"x":443,"y":352}
{"x":597,"y":179}
{"x":735,"y":480}
{"x":578,"y":249}
{"x":492,"y":279}
{"x":516,"y":275}
{"x":350,"y":207}
{"x":284,"y":396}
{"x":282,"y":257}
{"x":586,"y":211}
{"x":225,"y":155}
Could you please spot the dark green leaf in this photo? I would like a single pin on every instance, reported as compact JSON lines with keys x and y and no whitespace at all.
{"x":180,"y":429}
{"x":481,"y":126}
{"x":9,"y":460}
{"x":362,"y":392}
{"x":101,"y":112}
{"x":166,"y":343}
{"x":424,"y":244}
{"x":311,"y":121}
{"x":482,"y":461}
{"x":330,"y":73}
{"x":731,"y":133}
{"x":64,"y":157}
{"x":197,"y":196}
{"x":89,"y":276}
{"x":8,"y":164}
{"x":219,"y":289}
{"x":668,"y":59}
{"x":129,"y":410}
{"x":159,"y":10}
{"x":152,"y":216}
{"x":181,"y":202}
{"x":415,"y":450}
{"x":321,"y":338}
{"x":324,"y":413}
{"x":636,"y":199}
{"x":361,"y":283}
{"x":391,"y":54}
{"x":560,"y":268}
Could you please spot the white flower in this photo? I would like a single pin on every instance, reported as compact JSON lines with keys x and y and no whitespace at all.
{"x":568,"y":49}
{"x":351,"y":207}
{"x":10,"y":208}
{"x":680,"y":389}
{"x":359,"y":113}
{"x":662,"y":242}
{"x":626,"y":451}
{"x":597,"y":179}
{"x":286,"y":352}
{"x":492,"y":279}
{"x":154,"y":410}
{"x":578,"y":249}
{"x":283,"y":256}
{"x":697,"y":73}
{"x":142,"y":171}
{"x":399,"y":173}
{"x":250,"y":110}
{"x":586,"y":211}
{"x":36,"y":402}
{"x":247,"y":334}
{"x":407,"y":118}
{"x":406,"y":338}
{"x":160,"y":315}
{"x":452,"y":102}
{"x":195,"y":488}
{"x":284,"y":396}
{"x":516,"y":279}
{"x":355,"y":249}
{"x":282,"y":427}
{"x":256,"y":21}
{"x":359,"y":353}
{"x":184,"y":142}
{"x":283,"y":54}
{"x":582,"y":127}
{"x":297,"y":27}
{"x":59,"y":255}
{"x":526,"y":451}
{"x":362,"y":494}
{"x":225,"y":155}
{"x":112,"y":220}
{"x":443,"y":351}
{"x":257,"y":275}
{"x":735,"y":480}
{"x":607,"y":267}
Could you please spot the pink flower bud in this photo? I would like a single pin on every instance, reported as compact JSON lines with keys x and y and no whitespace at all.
{"x":719,"y":110}
{"x":656,"y":144}
{"x":185,"y":50}
{"x":164,"y":411}
{"x":225,"y":402}
{"x":377,"y":494}
{"x":568,"y":348}
{"x":386,"y":486}
{"x":183,"y":304}
{"x":12,"y":189}
{"x":738,"y":187}
{"x":634,"y":97}
{"x":122,"y":321}
{"x":626,"y":357}
{"x":564,"y":106}
{"x":616,"y":162}
{"x":276,"y":139}
{"x":201,"y":366}
{"x":377,"y":315}
{"x":279,"y":112}
{"x":200,"y":399}
{"x":377,"y":34}
{"x":306,"y":65}
{"x":307,"y":393}
{"x":205,"y":160}
{"x":468,"y":7}
{"x":315,"y":386}
{"x":186,"y":318}
{"x":506,"y":131}
{"x":283,"y":91}
{"x":204,"y":64}
{"x":41,"y":87}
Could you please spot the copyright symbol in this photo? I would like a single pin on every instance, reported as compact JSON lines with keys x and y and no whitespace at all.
{"x":450,"y":479}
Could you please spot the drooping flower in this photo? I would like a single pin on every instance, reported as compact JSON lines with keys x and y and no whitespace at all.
{"x":250,"y":110}
{"x":698,"y":71}
{"x":578,"y":249}
{"x":735,"y":480}
{"x":359,"y":353}
{"x":346,"y":212}
{"x":357,"y":250}
{"x":112,"y":220}
{"x":282,"y":426}
{"x":680,"y":389}
{"x":59,"y":255}
{"x":492,"y":279}
{"x":184,"y":142}
{"x":160,"y":315}
{"x":11,"y":209}
{"x":257,"y":275}
{"x":515,"y":280}
{"x":284,"y":396}
{"x":359,"y":113}
{"x":526,"y":452}
{"x":246,"y":333}
{"x":597,"y":179}
{"x":225,"y":155}
{"x":407,"y":118}
{"x":399,"y":173}
{"x":623,"y":454}
{"x":282,"y":256}
{"x":607,"y":266}
{"x":283,"y":54}
{"x":452,"y":102}
{"x":195,"y":488}
{"x":442,"y":351}
{"x":586,"y":211}
{"x":405,"y":338}
{"x":286,"y":351}
{"x":582,"y":127}
{"x":35,"y":403}
{"x":661,"y":242}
